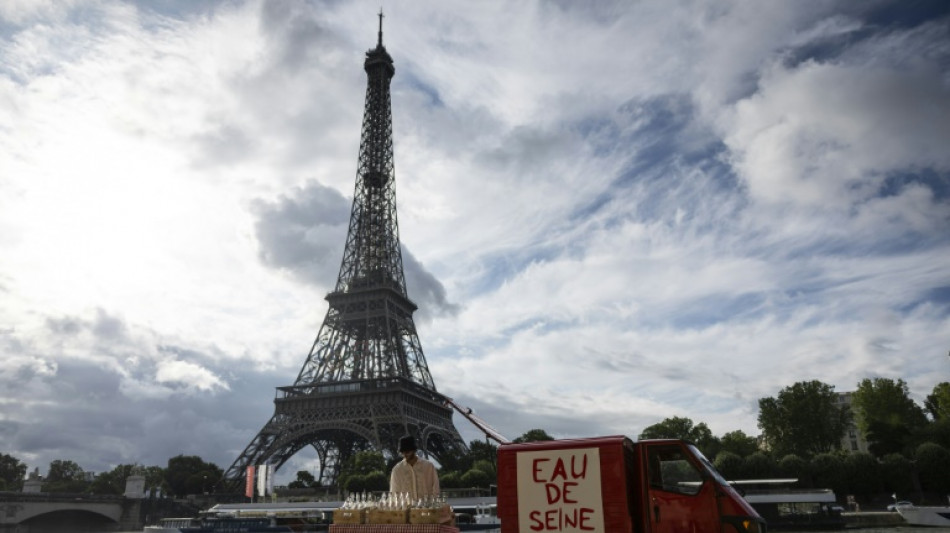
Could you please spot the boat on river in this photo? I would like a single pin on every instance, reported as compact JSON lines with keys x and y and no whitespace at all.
{"x":786,"y":507}
{"x":217,"y":524}
{"x":925,"y":515}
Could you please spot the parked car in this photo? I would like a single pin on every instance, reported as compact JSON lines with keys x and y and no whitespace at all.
{"x":894,"y":506}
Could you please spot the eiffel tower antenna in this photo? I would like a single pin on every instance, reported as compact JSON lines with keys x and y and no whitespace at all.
{"x":365,"y":382}
{"x":379,"y":43}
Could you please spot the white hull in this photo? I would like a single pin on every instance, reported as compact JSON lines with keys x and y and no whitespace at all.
{"x":925,"y":516}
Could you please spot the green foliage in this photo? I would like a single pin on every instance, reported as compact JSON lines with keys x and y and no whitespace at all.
{"x":729,"y":465}
{"x":863,"y":474}
{"x":12,"y":471}
{"x":189,"y":474}
{"x":60,"y":470}
{"x":938,"y":402}
{"x":886,"y":415}
{"x":759,"y":466}
{"x":305,"y":480}
{"x":933,"y":465}
{"x":683,"y":428}
{"x":376,"y":481}
{"x":829,"y":472}
{"x":450,"y":480}
{"x":739,"y":443}
{"x":477,"y":478}
{"x":361,"y":464}
{"x":897,"y":473}
{"x":534,"y":435}
{"x":793,"y":466}
{"x":804,"y":419}
{"x":479,"y":450}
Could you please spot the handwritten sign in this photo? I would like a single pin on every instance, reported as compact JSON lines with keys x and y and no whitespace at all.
{"x":559,"y":490}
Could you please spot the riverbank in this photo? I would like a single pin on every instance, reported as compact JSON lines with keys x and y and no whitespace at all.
{"x":872,"y":520}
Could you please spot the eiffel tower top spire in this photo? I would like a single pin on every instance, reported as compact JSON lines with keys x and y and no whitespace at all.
{"x":368,"y":332}
{"x":379,"y":43}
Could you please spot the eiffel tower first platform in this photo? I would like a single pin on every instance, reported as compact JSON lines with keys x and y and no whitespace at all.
{"x":365,"y":382}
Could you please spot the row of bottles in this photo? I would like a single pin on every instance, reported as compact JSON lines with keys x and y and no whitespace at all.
{"x":392,"y":501}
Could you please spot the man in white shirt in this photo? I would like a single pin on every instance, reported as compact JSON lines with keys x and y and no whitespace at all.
{"x":413,"y":475}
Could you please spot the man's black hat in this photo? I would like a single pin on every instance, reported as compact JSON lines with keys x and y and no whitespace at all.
{"x":407,"y":444}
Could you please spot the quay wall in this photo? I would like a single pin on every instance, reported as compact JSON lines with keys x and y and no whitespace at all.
{"x":872,"y":519}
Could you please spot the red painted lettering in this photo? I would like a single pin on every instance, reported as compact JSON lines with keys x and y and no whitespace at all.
{"x":552,"y":519}
{"x":559,"y":470}
{"x":570,"y":519}
{"x":554,"y":493}
{"x":566,"y":490}
{"x":586,"y":518}
{"x":537,"y":525}
{"x":536,"y":469}
{"x":583,"y":472}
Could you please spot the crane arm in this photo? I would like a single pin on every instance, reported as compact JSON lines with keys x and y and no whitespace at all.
{"x":489,"y":431}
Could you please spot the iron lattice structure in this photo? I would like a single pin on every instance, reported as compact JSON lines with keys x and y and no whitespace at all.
{"x":365,"y":382}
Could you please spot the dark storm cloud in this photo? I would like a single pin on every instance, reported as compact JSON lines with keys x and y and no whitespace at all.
{"x":304,"y":233}
{"x":425,"y":290}
{"x":102,"y":405}
{"x":298,"y":36}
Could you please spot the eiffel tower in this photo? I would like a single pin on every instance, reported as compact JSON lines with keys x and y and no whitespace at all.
{"x":365,"y":382}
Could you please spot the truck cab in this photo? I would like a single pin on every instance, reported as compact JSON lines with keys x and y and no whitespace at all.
{"x":613,"y":485}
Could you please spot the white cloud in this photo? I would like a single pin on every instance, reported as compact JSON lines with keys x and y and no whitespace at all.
{"x":189,"y":375}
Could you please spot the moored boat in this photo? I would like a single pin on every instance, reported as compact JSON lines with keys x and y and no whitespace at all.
{"x":925,"y":515}
{"x":785,"y":507}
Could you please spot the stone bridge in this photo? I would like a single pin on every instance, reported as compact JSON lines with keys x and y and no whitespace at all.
{"x":48,"y":512}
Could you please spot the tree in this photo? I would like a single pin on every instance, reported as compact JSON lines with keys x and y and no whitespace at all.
{"x":938,"y":402}
{"x":829,"y":472}
{"x":933,"y":464}
{"x":805,"y":419}
{"x":793,"y":466}
{"x":864,"y":474}
{"x":534,"y":435}
{"x":112,"y":482}
{"x":683,"y":428}
{"x":190,"y":474}
{"x":729,"y":465}
{"x":759,"y":466}
{"x":12,"y":471}
{"x":738,"y":443}
{"x":60,"y":470}
{"x":897,"y":472}
{"x":361,"y":464}
{"x":886,"y":414}
{"x":65,"y":476}
{"x":305,"y":480}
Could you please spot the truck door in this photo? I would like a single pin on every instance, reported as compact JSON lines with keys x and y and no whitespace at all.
{"x":679,"y":498}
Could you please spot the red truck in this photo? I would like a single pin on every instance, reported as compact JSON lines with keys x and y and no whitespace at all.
{"x":613,"y":485}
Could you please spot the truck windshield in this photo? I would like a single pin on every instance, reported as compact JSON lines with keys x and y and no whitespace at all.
{"x":708,"y":466}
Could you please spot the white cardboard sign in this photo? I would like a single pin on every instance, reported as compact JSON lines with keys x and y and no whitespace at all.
{"x":559,"y":490}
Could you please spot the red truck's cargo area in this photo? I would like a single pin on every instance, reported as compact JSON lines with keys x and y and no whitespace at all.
{"x":613,"y":485}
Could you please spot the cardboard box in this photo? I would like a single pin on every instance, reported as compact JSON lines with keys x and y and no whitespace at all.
{"x":349,"y":516}
{"x":425,"y":516}
{"x":379,"y":516}
{"x":443,"y":515}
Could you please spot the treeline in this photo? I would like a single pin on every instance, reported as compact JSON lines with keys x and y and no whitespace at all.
{"x":369,"y":471}
{"x":809,"y":433}
{"x":183,"y":475}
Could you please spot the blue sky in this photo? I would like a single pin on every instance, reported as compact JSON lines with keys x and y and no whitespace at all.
{"x":611,"y":212}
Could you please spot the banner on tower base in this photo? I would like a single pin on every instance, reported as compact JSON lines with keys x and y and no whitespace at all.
{"x":249,"y":484}
{"x":264,"y":481}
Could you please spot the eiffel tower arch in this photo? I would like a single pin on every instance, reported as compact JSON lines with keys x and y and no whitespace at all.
{"x":365,"y":382}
